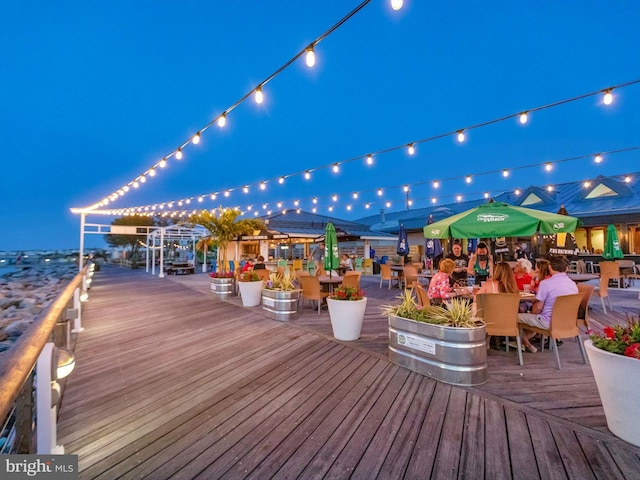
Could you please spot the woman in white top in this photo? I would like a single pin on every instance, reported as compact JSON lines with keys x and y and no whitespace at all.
{"x":346,"y":262}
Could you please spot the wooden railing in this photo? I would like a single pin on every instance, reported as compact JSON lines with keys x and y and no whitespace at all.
{"x":17,"y":367}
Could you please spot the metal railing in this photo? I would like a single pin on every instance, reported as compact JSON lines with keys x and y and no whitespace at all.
{"x":19,"y":405}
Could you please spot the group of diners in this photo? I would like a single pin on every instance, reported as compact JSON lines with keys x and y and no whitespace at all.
{"x":547,"y":281}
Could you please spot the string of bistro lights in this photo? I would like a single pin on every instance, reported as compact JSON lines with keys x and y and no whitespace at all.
{"x":410,"y":147}
{"x":221,"y":120}
{"x":258,"y":94}
{"x":181,"y":207}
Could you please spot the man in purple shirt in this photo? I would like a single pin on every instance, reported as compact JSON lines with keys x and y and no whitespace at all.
{"x":549,"y":289}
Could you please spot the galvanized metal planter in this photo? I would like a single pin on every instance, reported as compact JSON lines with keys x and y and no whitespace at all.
{"x":280,"y":304}
{"x":453,"y":355}
{"x":224,"y":287}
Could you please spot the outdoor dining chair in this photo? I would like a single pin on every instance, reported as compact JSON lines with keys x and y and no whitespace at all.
{"x":421,"y":294}
{"x":367,"y":266}
{"x":583,"y":313}
{"x":297,"y":264}
{"x":385,"y":274}
{"x":358,"y":264}
{"x":409,"y":275}
{"x":564,"y":324}
{"x":311,"y":290}
{"x":351,"y":279}
{"x":608,"y":271}
{"x":263,"y":274}
{"x":500,"y":314}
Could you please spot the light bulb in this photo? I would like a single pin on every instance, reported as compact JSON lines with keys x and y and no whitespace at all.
{"x":179,"y":154}
{"x":245,"y":189}
{"x":334,"y":198}
{"x":263,"y":185}
{"x":411,"y":149}
{"x":486,"y":194}
{"x":226,"y":193}
{"x":279,"y":204}
{"x":336,"y":168}
{"x":367,"y":205}
{"x":459,"y":198}
{"x":436,"y":184}
{"x":152,"y":172}
{"x":163,"y":163}
{"x":222,"y":120}
{"x":468,"y":179}
{"x":314,"y":210}
{"x":505,"y":173}
{"x":405,"y":188}
{"x":598,"y":158}
{"x":523,"y":118}
{"x":517,"y":192}
{"x":627,"y":179}
{"x":296,"y":202}
{"x":369,"y":159}
{"x":281,"y":180}
{"x":548,"y":167}
{"x":310,"y":57}
{"x":460,"y":136}
{"x":315,"y":200}
{"x":388,"y":204}
{"x":200,"y":199}
{"x":355,"y":195}
{"x":608,"y":97}
{"x":550,"y":188}
{"x":380,"y":192}
{"x":307,"y":175}
{"x":259,"y":96}
{"x":587,"y":184}
{"x":348,"y":207}
{"x":331,"y":208}
{"x":396,"y":4}
{"x":136,"y":184}
{"x":196,"y":139}
{"x":143,"y":179}
{"x":213,"y":196}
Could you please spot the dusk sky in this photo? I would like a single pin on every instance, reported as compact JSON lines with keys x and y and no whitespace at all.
{"x":96,"y":93}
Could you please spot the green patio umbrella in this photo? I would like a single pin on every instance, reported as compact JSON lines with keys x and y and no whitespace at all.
{"x":497,"y":219}
{"x":612,"y":248}
{"x":331,"y":258}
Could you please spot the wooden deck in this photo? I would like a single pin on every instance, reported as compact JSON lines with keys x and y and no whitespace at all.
{"x":171,"y":382}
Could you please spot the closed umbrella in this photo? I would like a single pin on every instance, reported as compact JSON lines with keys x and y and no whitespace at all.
{"x":402,"y":248}
{"x":612,"y":248}
{"x":497,"y":219}
{"x":331,"y":259}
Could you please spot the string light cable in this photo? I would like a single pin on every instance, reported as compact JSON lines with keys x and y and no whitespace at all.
{"x":306,"y":173}
{"x":153,"y":208}
{"x":220,"y":120}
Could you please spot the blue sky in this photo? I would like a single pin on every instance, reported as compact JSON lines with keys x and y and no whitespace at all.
{"x":95,"y":93}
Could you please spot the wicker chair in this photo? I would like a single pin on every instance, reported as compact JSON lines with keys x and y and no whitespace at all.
{"x":500,"y":314}
{"x":311,"y":290}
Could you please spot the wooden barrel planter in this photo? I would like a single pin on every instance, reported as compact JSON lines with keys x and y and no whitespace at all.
{"x":453,"y":355}
{"x":224,"y":286}
{"x":280,"y":305}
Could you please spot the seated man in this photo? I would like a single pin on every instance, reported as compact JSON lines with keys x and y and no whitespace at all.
{"x":548,"y":290}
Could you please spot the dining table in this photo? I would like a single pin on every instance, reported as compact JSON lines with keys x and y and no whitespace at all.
{"x":329,"y":281}
{"x":582,"y":277}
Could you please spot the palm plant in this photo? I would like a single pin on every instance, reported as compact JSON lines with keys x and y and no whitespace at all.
{"x":224,"y":226}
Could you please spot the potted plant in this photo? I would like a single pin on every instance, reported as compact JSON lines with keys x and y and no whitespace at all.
{"x":280,"y":297}
{"x":346,"y":310}
{"x":615,"y":361}
{"x":250,"y":285}
{"x":445,"y":341}
{"x":223,"y":226}
{"x":223,"y":284}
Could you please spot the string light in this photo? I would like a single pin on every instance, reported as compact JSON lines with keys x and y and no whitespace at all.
{"x":281,"y":180}
{"x":152,"y":173}
{"x":334,"y":198}
{"x":258,"y":96}
{"x":411,"y":149}
{"x":461,"y":136}
{"x":459,"y":198}
{"x":486,"y":195}
{"x":336,"y":168}
{"x":369,"y":159}
{"x":179,"y":154}
{"x":627,"y":179}
{"x":196,"y":139}
{"x":380,"y":192}
{"x":396,"y":4}
{"x":162,"y":163}
{"x":598,"y":158}
{"x":307,"y":175}
{"x":222,"y":120}
{"x":608,"y":96}
{"x":587,"y":184}
{"x":436,"y":184}
{"x":468,"y":179}
{"x":310,"y":57}
{"x":434,"y":200}
{"x":517,"y":192}
{"x":548,"y":167}
{"x":405,"y":188}
{"x":355,"y":195}
{"x":505,"y":173}
{"x":523,"y":118}
{"x":263,"y":185}
{"x":245,"y":189}
{"x":550,"y":188}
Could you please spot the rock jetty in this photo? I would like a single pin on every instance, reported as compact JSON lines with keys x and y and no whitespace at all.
{"x":25,"y":294}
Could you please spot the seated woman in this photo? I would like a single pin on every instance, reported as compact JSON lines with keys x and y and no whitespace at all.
{"x":259,"y":265}
{"x":503,"y":281}
{"x":522,"y":271}
{"x":481,"y":264}
{"x":346,"y":262}
{"x":540,"y":273}
{"x":441,"y":285}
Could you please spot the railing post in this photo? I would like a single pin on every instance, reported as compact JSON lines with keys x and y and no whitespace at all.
{"x":77,"y":321}
{"x":47,"y":396}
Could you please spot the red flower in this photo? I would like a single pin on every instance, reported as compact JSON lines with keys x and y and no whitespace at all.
{"x":633,"y":351}
{"x":609,"y":333}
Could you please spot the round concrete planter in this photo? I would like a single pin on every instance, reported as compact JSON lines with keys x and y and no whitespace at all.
{"x":618,"y":381}
{"x":346,"y":318}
